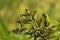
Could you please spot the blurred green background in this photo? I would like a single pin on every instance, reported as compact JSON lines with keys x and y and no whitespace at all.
{"x":11,"y":9}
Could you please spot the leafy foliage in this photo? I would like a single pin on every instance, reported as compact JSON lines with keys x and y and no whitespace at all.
{"x":41,"y":30}
{"x":29,"y":23}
